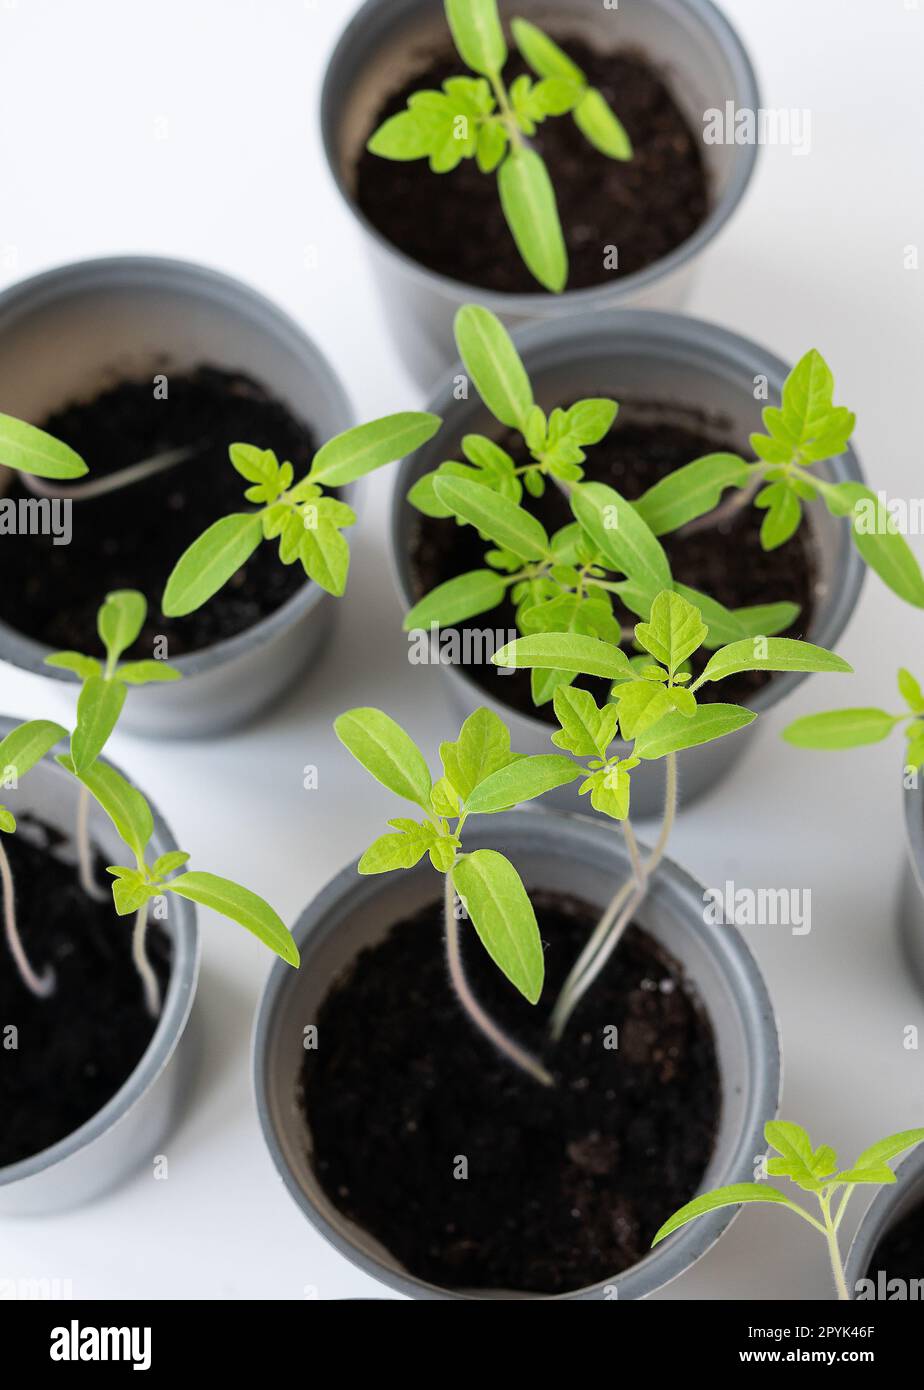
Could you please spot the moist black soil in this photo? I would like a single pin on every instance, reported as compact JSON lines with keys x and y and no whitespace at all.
{"x":900,"y":1253}
{"x":725,"y":561}
{"x":566,"y":1186}
{"x":131,"y":539}
{"x":645,"y":207}
{"x":74,"y":1050}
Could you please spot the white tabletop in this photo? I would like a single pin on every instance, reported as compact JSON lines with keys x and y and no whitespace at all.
{"x":191,"y":130}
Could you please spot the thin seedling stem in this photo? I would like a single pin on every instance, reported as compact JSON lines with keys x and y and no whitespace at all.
{"x":486,"y":1025}
{"x":85,"y":849}
{"x":42,"y":986}
{"x":142,"y":964}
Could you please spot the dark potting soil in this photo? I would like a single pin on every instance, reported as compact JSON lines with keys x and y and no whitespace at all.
{"x":900,"y":1253}
{"x":566,"y":1186}
{"x":131,"y":539}
{"x":725,"y":562}
{"x":645,"y":207}
{"x":75,"y":1049}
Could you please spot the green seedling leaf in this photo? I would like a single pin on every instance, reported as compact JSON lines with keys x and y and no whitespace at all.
{"x":879,"y":542}
{"x":677,"y":731}
{"x":169,"y":863}
{"x":7,"y":821}
{"x":494,"y":365}
{"x":120,"y":620}
{"x":586,"y":730}
{"x":622,"y":537}
{"x":845,"y":728}
{"x":507,"y":524}
{"x":482,"y":749}
{"x":727,"y":625}
{"x":798,"y":1160}
{"x":911,"y":692}
{"x":399,"y":851}
{"x":27,"y":745}
{"x":493,"y":895}
{"x":737,"y":1194}
{"x":691,"y":492}
{"x":147,"y":673}
{"x":523,"y":780}
{"x":463,"y":597}
{"x":529,"y":204}
{"x":31,"y":450}
{"x":641,"y":704}
{"x":770,"y":654}
{"x":241,"y":906}
{"x":560,"y":651}
{"x":674,"y":632}
{"x":601,"y":126}
{"x":123,"y":804}
{"x":82,"y":666}
{"x":359,"y":451}
{"x":98,"y":708}
{"x":386,"y":752}
{"x":545,"y":57}
{"x":210,"y":562}
{"x":784,"y":514}
{"x":325,"y":555}
{"x":889,"y":1148}
{"x":478,"y":35}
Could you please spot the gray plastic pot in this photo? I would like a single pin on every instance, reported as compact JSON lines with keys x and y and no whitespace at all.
{"x":911,"y":908}
{"x":71,"y":331}
{"x":668,"y":365}
{"x":573,"y":854}
{"x":130,"y":1128}
{"x":702,"y":60}
{"x":889,"y":1206}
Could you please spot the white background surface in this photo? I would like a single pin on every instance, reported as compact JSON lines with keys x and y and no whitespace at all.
{"x":814,"y":258}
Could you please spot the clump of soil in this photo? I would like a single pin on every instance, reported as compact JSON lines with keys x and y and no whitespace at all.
{"x":644,"y":207}
{"x":75,"y":1049}
{"x":565,"y":1187}
{"x":132,"y":538}
{"x":726,"y":562}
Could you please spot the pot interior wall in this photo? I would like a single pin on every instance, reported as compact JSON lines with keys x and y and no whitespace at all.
{"x":91,"y":325}
{"x":371,"y":907}
{"x":654,"y":379}
{"x":398,"y":37}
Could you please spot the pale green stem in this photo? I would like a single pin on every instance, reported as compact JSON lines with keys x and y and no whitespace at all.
{"x":617,"y":916}
{"x":142,"y":964}
{"x":40,"y":985}
{"x":486,"y":1025}
{"x":85,"y":849}
{"x":837,"y":1264}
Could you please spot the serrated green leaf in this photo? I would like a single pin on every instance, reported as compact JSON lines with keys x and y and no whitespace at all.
{"x":641,"y":704}
{"x":506,"y":523}
{"x":31,"y":450}
{"x":797,"y":1156}
{"x":674,"y":632}
{"x":521,"y":781}
{"x":210,"y":562}
{"x":500,"y":910}
{"x":586,"y":730}
{"x":240,"y":905}
{"x":770,"y":654}
{"x":531,"y":210}
{"x":691,"y":492}
{"x":389,"y":754}
{"x":399,"y":851}
{"x":677,"y":731}
{"x":482,"y":748}
{"x":601,"y":126}
{"x":120,"y":620}
{"x":463,"y":597}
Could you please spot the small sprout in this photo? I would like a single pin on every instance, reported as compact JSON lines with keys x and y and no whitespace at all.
{"x":853,"y":728}
{"x":19,"y":753}
{"x":806,"y":429}
{"x":481,"y":776}
{"x":481,"y":118}
{"x":814,"y":1171}
{"x":653,"y":706}
{"x":32,"y":451}
{"x":567,"y":582}
{"x":307,"y":523}
{"x":135,"y":885}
